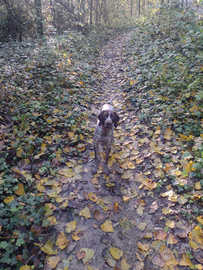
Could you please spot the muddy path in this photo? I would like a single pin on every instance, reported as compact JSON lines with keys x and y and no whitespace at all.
{"x":119,"y":211}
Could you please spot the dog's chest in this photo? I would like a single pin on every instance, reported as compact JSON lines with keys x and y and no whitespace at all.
{"x":103,"y":135}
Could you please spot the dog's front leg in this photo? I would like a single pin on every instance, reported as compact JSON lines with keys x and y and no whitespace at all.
{"x":108,"y":150}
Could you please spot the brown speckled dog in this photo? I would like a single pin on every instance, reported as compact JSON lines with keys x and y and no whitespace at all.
{"x":108,"y":119}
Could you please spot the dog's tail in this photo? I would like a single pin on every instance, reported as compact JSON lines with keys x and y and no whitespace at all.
{"x":109,"y":102}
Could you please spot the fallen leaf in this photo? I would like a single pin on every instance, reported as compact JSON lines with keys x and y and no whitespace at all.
{"x":108,"y":257}
{"x":70,"y":227}
{"x":93,"y":197}
{"x":125,"y":265}
{"x":25,"y":267}
{"x":62,"y":241}
{"x":197,"y":236}
{"x":200,"y":219}
{"x":77,"y":235}
{"x":182,"y":200}
{"x":98,"y":216}
{"x":170,"y":223}
{"x":9,"y":199}
{"x":47,"y":248}
{"x":107,"y":226}
{"x":53,"y":261}
{"x":160,"y":235}
{"x":140,"y":210}
{"x":144,"y":247}
{"x":81,"y":254}
{"x":171,"y":239}
{"x":89,"y":253}
{"x":167,"y":134}
{"x":142,"y":226}
{"x":185,"y":260}
{"x":153,"y":207}
{"x":116,"y":253}
{"x":166,"y":254}
{"x":85,"y":213}
{"x":157,"y":260}
{"x":20,"y":191}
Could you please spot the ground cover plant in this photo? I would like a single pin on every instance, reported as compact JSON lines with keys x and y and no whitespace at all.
{"x":147,"y":214}
{"x":166,"y":87}
{"x":46,"y":89}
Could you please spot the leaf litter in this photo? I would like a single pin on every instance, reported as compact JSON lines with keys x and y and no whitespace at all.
{"x":137,"y":207}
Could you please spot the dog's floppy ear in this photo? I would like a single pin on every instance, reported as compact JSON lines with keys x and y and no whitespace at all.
{"x":101,"y":118}
{"x":116,"y":119}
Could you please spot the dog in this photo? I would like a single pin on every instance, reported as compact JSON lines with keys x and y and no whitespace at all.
{"x":107,"y":120}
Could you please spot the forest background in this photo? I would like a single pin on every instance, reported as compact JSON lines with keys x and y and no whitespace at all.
{"x":48,"y":52}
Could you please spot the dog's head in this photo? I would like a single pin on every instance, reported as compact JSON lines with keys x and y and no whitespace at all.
{"x":107,"y":118}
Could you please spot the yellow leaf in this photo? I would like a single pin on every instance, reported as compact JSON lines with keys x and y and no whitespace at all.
{"x":172,"y":262}
{"x":200,"y":219}
{"x":66,"y":172}
{"x":25,"y":267}
{"x":170,"y":223}
{"x":93,"y":197}
{"x":182,"y":200}
{"x":58,"y":154}
{"x":125,"y":265}
{"x":193,"y":108}
{"x":166,"y":254}
{"x":168,"y":134}
{"x":196,"y":235}
{"x":62,"y":241}
{"x":189,"y":167}
{"x":20,"y":152}
{"x":47,"y":248}
{"x":43,"y":147}
{"x":142,"y":226}
{"x":143,"y":247}
{"x":116,"y":253}
{"x":52,"y":220}
{"x":89,"y":254}
{"x":198,"y":185}
{"x":9,"y":199}
{"x":71,"y":134}
{"x":76,"y":235}
{"x":140,"y":210}
{"x":166,"y":211}
{"x":71,"y":226}
{"x":85,"y":213}
{"x":53,"y":261}
{"x":185,"y":260}
{"x":20,"y":191}
{"x":184,"y":137}
{"x":107,"y":226}
{"x":81,"y":147}
{"x":194,"y":245}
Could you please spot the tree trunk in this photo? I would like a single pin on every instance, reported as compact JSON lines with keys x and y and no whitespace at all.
{"x":139,"y":7}
{"x":38,"y":8}
{"x":91,"y":5}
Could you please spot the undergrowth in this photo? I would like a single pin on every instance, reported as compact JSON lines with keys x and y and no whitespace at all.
{"x":166,"y":85}
{"x":46,"y":91}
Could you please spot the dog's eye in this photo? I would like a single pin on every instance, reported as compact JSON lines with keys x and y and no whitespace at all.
{"x":112,"y":116}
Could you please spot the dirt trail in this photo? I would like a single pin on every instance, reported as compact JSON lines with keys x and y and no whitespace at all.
{"x":118,"y":198}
